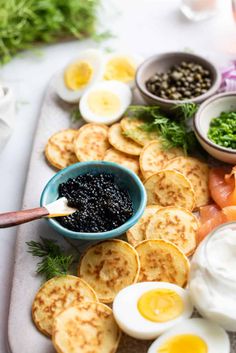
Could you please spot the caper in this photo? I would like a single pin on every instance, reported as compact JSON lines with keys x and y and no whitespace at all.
{"x":176,"y":75}
{"x":164,"y":85}
{"x":206,"y":73}
{"x":182,"y":81}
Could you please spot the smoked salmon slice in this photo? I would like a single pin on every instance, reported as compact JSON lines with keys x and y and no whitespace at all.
{"x":222,"y":185}
{"x":211,"y":216}
{"x":230,"y":213}
{"x":208,"y":212}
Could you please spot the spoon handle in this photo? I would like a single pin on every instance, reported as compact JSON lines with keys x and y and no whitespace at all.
{"x":11,"y":219}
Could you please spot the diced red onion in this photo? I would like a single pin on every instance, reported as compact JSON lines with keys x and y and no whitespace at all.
{"x":228,"y":83}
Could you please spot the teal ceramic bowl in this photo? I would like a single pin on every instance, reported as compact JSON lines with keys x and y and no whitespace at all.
{"x":124,"y":177}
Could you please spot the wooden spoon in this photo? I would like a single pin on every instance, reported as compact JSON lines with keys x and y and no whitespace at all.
{"x":57,"y":208}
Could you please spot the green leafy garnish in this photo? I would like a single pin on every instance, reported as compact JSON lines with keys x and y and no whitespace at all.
{"x":75,"y":115}
{"x":222,"y":130}
{"x":174,"y":133}
{"x":26,"y":22}
{"x":99,"y":37}
{"x":186,"y":110}
{"x":54,"y":262}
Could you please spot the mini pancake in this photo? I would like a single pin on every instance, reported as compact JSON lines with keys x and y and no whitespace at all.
{"x":86,"y":328}
{"x":136,"y":234}
{"x":91,"y":142}
{"x":55,"y":295}
{"x":162,"y":261}
{"x":198,"y":174}
{"x":170,"y":188}
{"x":153,"y":157}
{"x":118,"y":140}
{"x":126,"y":160}
{"x":132,"y":129}
{"x":176,"y":225}
{"x":59,"y":150}
{"x":108,"y":267}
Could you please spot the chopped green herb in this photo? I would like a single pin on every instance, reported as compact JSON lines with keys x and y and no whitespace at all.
{"x":186,"y":110}
{"x":222,"y":130}
{"x":173,"y":133}
{"x":99,"y":37}
{"x":76,"y":115}
{"x":26,"y":22}
{"x":54,"y":262}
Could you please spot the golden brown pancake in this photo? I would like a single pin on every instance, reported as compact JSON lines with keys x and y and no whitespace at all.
{"x":121,"y":143}
{"x":162,"y":261}
{"x":175,"y":224}
{"x":108,"y":267}
{"x":170,"y":188}
{"x":91,"y":142}
{"x":197,"y":173}
{"x":86,"y":328}
{"x":153,"y":157}
{"x":59,"y":150}
{"x":57,"y":294}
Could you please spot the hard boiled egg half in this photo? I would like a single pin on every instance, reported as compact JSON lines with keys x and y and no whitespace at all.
{"x":145,"y":310}
{"x":193,"y":336}
{"x":105,"y":102}
{"x":122,"y":67}
{"x":79,"y":75}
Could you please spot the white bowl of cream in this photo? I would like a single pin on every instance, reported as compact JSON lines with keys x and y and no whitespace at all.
{"x":213,"y":277}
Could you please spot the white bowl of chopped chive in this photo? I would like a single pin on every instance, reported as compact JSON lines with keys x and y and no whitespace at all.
{"x":215,"y":126}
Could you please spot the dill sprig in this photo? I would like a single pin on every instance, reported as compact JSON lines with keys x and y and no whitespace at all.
{"x":75,"y":115}
{"x":186,"y":111}
{"x":173,"y":133}
{"x":54,"y":262}
{"x":23,"y":23}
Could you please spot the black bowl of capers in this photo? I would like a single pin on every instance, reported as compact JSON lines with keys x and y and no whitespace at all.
{"x":173,"y":78}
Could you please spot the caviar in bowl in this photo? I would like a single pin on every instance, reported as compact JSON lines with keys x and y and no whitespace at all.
{"x":122,"y":177}
{"x":209,"y":110}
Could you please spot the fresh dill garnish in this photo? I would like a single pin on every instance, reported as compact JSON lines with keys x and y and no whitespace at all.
{"x":75,"y":115}
{"x":25,"y":23}
{"x":132,"y":134}
{"x":99,"y":37}
{"x":55,"y":266}
{"x":173,"y":133}
{"x":54,"y":262}
{"x":186,"y":110}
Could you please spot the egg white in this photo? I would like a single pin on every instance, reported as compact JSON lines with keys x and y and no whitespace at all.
{"x":135,"y":59}
{"x":92,"y":56}
{"x":213,"y":335}
{"x":133,"y":323}
{"x":121,"y":90}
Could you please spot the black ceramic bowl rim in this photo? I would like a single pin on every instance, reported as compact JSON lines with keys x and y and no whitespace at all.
{"x":197,"y":119}
{"x":186,"y":56}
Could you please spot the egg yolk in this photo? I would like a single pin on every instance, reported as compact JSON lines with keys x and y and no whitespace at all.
{"x":103,"y":103}
{"x":121,"y":69}
{"x":160,"y":305}
{"x":77,"y":75}
{"x":184,"y":344}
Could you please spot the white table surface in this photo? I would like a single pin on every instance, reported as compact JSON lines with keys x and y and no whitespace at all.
{"x":141,"y":26}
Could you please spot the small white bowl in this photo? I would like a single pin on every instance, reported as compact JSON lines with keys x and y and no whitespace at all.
{"x":212,"y":108}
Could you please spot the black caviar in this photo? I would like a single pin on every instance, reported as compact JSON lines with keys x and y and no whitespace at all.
{"x":181,"y":82}
{"x":102,"y":205}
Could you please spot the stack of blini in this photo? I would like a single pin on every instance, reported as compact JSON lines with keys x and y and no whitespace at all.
{"x":176,"y":186}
